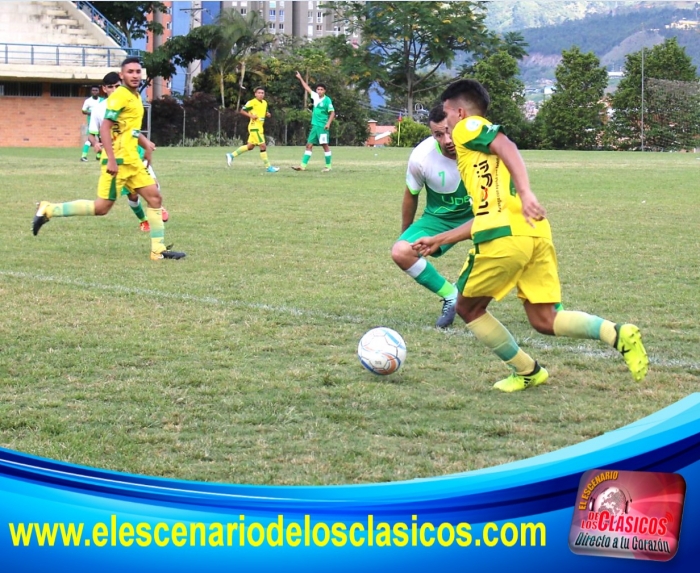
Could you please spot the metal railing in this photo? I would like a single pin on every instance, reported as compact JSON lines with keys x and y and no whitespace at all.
{"x":64,"y":55}
{"x":98,"y":18}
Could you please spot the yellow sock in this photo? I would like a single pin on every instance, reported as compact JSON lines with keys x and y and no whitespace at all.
{"x":263,"y":156}
{"x":241,"y":149}
{"x":80,"y":208}
{"x":155,"y":221}
{"x":493,"y":334}
{"x":576,"y":324}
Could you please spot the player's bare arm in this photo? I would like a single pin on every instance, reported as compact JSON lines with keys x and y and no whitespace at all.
{"x":408,"y":209}
{"x":331,"y":117}
{"x":428,"y":245}
{"x":106,"y":137}
{"x":303,"y":83}
{"x":509,"y":154}
{"x":148,"y":147}
{"x":95,"y":142}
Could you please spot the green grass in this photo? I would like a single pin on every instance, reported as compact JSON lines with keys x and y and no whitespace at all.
{"x":238,"y":363}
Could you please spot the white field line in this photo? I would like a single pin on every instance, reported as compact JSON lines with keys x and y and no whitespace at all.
{"x":541,"y":344}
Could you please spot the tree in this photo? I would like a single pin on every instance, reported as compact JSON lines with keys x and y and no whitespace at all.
{"x":499,"y":75}
{"x":573,"y":116}
{"x":239,"y":36}
{"x":405,"y":44}
{"x":179,"y":51}
{"x":667,"y":61}
{"x":515,"y":44}
{"x":130,"y":17}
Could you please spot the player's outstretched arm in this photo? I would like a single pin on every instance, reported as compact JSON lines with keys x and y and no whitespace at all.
{"x":510,"y":155}
{"x":428,"y":245}
{"x":303,"y":83}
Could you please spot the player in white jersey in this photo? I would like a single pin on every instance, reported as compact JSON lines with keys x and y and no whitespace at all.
{"x":432,"y":165}
{"x":88,"y":105}
{"x":110,"y":83}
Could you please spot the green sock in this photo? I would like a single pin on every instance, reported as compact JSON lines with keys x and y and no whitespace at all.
{"x":328,"y":156}
{"x":86,"y":148}
{"x":305,"y":159}
{"x":426,"y":275}
{"x":137,"y":209}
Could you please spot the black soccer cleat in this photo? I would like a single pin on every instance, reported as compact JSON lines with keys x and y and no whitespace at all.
{"x":167,"y":254}
{"x":40,"y":218}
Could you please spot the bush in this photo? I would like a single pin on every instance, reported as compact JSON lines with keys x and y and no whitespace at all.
{"x":411,"y":133}
{"x":210,"y":140}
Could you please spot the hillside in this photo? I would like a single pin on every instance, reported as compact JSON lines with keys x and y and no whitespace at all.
{"x":517,"y":15}
{"x":611,"y":36}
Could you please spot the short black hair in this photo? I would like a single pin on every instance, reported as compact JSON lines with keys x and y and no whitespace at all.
{"x":437,"y":114}
{"x":94,"y":87}
{"x":321,"y":86}
{"x":470,"y":91}
{"x":131,"y":60}
{"x":259,"y":88}
{"x":111,"y":78}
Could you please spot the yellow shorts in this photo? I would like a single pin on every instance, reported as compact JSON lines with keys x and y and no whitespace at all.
{"x":495,"y":267}
{"x":256,"y":137}
{"x":132,"y":176}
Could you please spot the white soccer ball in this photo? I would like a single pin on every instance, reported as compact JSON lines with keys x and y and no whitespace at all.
{"x":382,"y":351}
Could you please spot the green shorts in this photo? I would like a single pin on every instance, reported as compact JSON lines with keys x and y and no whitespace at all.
{"x":318,"y":136}
{"x":430,"y":225}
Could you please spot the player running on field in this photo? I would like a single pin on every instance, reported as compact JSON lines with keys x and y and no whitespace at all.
{"x":110,"y":83}
{"x":432,"y":165}
{"x":120,"y":135}
{"x":512,"y":248}
{"x":256,"y":111}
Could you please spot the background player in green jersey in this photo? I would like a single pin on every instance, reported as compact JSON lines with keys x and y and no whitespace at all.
{"x":321,"y":119}
{"x":256,"y":111}
{"x":513,"y":248}
{"x":432,"y":165}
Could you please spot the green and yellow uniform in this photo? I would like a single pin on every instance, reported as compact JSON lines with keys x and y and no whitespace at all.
{"x":125,"y":109}
{"x":508,"y":252}
{"x":256,"y":133}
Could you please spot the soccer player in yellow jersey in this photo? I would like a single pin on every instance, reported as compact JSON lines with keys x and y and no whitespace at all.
{"x":512,"y":247}
{"x":256,"y":111}
{"x":120,"y":134}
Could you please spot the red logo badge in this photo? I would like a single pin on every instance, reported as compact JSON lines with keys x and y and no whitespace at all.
{"x":633,"y":515}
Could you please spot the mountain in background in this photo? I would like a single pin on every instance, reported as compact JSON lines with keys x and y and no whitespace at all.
{"x":610,"y":30}
{"x":517,"y":15}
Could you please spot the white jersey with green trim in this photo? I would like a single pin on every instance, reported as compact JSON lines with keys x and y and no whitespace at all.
{"x":446,"y":195}
{"x":97,"y":117}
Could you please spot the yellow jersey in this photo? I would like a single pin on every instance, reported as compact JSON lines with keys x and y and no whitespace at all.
{"x":259,"y":108}
{"x":498,"y":211}
{"x":125,"y":109}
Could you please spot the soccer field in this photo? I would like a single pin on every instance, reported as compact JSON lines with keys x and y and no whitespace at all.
{"x":238,"y":364}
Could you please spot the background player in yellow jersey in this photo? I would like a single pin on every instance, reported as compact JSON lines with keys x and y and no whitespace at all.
{"x":256,"y":111}
{"x":120,"y":135}
{"x":512,"y":247}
